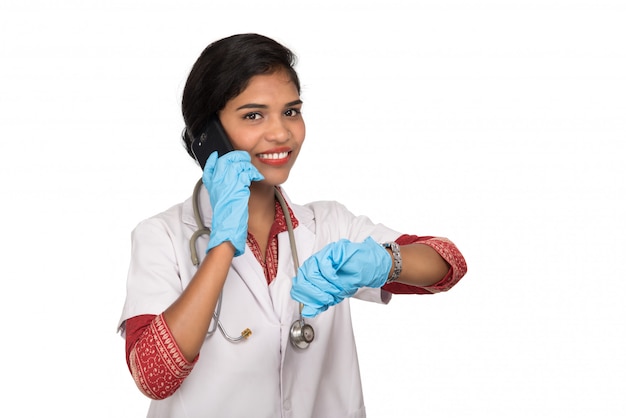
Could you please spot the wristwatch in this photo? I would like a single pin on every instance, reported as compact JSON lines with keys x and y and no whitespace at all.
{"x":397,"y":260}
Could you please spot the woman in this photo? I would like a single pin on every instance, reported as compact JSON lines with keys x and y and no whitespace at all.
{"x":248,"y":273}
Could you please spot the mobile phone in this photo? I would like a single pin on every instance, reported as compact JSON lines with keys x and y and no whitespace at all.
{"x":213,"y":138}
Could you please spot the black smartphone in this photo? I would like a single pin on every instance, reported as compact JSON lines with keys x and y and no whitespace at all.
{"x":213,"y":138}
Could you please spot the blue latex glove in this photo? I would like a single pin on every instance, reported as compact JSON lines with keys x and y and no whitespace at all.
{"x":337,"y":271}
{"x":228,"y":180}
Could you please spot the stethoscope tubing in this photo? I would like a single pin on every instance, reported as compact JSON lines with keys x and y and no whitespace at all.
{"x":301,"y":334}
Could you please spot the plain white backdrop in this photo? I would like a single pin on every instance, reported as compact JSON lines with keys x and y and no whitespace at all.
{"x":498,"y":124}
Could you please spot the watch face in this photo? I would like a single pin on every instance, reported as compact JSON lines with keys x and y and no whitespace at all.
{"x":396,"y":260}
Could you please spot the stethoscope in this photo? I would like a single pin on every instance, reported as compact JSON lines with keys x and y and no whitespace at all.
{"x":301,"y":334}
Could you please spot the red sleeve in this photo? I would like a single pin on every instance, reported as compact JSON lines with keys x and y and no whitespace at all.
{"x":135,"y":326}
{"x":153,"y":357}
{"x":448,"y":251}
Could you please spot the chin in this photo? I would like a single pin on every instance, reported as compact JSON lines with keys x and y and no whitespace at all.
{"x":274,"y":180}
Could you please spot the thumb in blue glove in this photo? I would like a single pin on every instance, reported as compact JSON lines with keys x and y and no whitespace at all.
{"x":337,"y":271}
{"x":228,"y":180}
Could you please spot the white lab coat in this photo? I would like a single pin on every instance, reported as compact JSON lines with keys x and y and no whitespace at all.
{"x":264,"y":376}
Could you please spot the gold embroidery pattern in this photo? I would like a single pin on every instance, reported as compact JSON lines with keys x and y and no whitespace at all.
{"x":157,"y":365}
{"x":449,"y":252}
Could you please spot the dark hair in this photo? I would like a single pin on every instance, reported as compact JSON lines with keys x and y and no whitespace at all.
{"x":223,"y":70}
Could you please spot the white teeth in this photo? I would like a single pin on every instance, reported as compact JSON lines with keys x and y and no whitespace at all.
{"x":274,"y":156}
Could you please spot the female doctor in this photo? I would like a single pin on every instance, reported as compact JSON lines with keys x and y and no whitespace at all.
{"x":281,"y":272}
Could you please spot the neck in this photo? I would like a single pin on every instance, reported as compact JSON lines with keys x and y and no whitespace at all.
{"x":261,"y":197}
{"x":261,"y":207}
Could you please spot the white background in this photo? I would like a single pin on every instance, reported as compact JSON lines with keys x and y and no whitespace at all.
{"x":498,"y":124}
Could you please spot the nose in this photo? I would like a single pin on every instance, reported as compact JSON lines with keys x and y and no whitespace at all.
{"x":277,"y":130}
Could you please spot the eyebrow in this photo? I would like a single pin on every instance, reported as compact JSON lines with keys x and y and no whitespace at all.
{"x":262,"y":106}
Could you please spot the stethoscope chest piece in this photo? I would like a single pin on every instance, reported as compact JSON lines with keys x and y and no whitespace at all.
{"x":301,"y":334}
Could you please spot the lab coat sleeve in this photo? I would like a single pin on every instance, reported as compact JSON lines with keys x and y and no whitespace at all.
{"x":153,"y":281}
{"x":333,"y":221}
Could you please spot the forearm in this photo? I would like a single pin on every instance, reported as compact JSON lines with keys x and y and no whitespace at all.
{"x":422,"y":266}
{"x":189,"y":317}
{"x":446,"y":250}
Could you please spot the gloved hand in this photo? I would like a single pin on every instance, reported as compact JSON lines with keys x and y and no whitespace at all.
{"x":228,"y":180}
{"x":337,"y":271}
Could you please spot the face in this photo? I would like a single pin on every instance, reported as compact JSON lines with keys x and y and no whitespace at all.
{"x":266,"y":121}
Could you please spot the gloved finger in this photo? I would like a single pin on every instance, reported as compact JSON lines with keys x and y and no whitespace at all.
{"x":253,"y":173}
{"x":209,"y":167}
{"x":214,"y":162}
{"x":324,"y":269}
{"x":310,"y":312}
{"x":340,"y":252}
{"x":234,"y":165}
{"x":233,"y":162}
{"x":360,"y":264}
{"x":319,"y":271}
{"x":304,"y":291}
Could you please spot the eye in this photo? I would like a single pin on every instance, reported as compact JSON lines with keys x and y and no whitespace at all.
{"x":292,"y":112}
{"x":252,"y":116}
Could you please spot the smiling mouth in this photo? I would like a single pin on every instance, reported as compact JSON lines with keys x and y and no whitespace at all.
{"x":274,"y":156}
